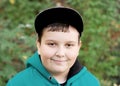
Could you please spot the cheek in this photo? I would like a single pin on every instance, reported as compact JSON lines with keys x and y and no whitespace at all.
{"x":45,"y":52}
{"x":72,"y":57}
{"x":73,"y":53}
{"x":45,"y":56}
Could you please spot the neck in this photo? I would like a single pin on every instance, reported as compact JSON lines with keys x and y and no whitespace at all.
{"x":61,"y":78}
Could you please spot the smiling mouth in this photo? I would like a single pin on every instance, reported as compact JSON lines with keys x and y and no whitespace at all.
{"x":56,"y":60}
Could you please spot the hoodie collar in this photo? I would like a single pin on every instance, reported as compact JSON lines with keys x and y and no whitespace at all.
{"x":75,"y":69}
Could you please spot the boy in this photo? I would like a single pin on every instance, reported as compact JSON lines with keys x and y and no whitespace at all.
{"x":55,"y":63}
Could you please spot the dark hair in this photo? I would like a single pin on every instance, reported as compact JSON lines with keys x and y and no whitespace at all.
{"x":55,"y":27}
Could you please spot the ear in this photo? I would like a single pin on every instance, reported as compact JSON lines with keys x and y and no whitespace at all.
{"x":80,"y":44}
{"x":38,"y":46}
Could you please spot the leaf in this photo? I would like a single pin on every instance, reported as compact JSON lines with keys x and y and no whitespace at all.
{"x":12,"y":2}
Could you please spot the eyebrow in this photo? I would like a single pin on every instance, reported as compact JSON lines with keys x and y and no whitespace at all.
{"x":65,"y":41}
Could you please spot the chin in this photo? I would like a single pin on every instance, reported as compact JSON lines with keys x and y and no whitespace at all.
{"x":58,"y":70}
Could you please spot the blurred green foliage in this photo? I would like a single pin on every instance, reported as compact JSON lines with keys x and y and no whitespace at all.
{"x":100,"y":50}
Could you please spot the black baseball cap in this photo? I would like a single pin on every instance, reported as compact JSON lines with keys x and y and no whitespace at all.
{"x":63,"y":15}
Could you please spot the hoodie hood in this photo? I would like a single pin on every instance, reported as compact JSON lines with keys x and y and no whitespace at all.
{"x":36,"y":63}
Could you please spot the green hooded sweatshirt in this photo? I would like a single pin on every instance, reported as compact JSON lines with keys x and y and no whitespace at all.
{"x":35,"y":74}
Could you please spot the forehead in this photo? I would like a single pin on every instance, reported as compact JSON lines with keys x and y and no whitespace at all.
{"x":71,"y":34}
{"x":59,"y":27}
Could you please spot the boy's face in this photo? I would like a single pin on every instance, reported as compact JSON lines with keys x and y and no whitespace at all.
{"x":59,"y":50}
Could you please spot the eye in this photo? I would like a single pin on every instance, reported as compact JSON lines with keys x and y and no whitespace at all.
{"x":69,"y":45}
{"x":51,"y":44}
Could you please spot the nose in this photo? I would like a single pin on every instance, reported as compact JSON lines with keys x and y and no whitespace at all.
{"x":60,"y":52}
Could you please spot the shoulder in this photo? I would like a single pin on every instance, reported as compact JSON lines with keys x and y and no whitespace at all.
{"x":21,"y":77}
{"x":88,"y":78}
